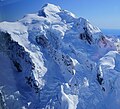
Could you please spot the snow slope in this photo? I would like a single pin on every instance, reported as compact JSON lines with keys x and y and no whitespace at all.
{"x":54,"y":60}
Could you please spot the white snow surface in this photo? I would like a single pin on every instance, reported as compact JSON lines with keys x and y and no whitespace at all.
{"x":54,"y":60}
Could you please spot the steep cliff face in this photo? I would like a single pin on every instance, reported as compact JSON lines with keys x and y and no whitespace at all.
{"x":54,"y":60}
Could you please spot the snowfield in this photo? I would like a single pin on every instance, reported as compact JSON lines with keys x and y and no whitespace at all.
{"x":55,"y":60}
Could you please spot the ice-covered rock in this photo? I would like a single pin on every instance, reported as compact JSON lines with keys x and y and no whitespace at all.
{"x":54,"y":60}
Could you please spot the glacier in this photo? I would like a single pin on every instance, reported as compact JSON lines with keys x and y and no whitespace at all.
{"x":54,"y":60}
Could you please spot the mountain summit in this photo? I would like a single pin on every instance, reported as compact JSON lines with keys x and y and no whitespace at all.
{"x":55,"y":60}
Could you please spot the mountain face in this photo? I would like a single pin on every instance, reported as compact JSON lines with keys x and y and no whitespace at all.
{"x":54,"y":60}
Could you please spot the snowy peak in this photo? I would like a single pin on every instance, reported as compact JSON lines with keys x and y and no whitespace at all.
{"x":53,"y":11}
{"x":49,"y":10}
{"x":54,"y":15}
{"x":51,"y":7}
{"x":58,"y":61}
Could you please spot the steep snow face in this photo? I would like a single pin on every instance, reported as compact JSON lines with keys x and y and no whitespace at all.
{"x":50,"y":11}
{"x":54,"y":60}
{"x":109,"y":74}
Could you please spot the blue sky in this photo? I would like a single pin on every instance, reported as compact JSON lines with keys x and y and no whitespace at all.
{"x":102,"y":13}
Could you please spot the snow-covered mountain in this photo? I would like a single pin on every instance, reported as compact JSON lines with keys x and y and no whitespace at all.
{"x":55,"y":60}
